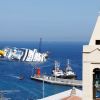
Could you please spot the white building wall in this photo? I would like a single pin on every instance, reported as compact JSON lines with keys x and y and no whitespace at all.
{"x":91,"y":60}
{"x":96,"y":32}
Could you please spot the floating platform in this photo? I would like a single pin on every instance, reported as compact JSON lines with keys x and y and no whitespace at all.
{"x":58,"y":81}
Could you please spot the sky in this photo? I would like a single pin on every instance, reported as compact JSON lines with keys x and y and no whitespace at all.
{"x":53,"y":20}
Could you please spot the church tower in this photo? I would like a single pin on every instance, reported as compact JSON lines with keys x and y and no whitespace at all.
{"x":91,"y":65}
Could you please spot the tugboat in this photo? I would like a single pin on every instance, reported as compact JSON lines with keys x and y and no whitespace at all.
{"x":57,"y":72}
{"x":69,"y":73}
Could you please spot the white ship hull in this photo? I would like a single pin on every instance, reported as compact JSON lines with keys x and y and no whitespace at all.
{"x":24,"y":54}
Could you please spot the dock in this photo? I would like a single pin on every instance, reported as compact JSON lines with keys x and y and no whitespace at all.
{"x":58,"y":81}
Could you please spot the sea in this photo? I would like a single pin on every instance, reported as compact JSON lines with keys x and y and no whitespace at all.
{"x":27,"y":89}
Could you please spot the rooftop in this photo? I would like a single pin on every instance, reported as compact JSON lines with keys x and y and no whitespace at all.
{"x":72,"y":94}
{"x":72,"y":98}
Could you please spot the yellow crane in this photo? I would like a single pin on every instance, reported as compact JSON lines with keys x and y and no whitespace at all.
{"x":2,"y":52}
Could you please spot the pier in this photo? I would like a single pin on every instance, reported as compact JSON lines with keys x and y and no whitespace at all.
{"x":58,"y":81}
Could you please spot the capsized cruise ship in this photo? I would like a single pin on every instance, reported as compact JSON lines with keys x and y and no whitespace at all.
{"x":23,"y":54}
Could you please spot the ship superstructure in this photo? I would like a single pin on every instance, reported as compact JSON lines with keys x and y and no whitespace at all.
{"x":24,"y":54}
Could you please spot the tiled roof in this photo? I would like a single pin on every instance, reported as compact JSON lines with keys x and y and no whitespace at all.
{"x":98,"y":99}
{"x":72,"y":98}
{"x":72,"y":94}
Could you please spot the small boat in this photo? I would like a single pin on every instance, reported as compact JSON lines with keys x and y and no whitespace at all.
{"x":69,"y":73}
{"x":21,"y":77}
{"x":57,"y":72}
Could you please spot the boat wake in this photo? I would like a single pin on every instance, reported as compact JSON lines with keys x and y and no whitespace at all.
{"x":13,"y":76}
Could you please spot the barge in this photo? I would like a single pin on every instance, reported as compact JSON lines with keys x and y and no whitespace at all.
{"x":57,"y":81}
{"x":58,"y":76}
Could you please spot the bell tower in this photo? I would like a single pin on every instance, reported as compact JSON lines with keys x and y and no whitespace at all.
{"x":91,"y":65}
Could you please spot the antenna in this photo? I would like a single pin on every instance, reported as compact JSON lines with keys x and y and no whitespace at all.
{"x":68,"y":65}
{"x":68,"y":61}
{"x":57,"y":64}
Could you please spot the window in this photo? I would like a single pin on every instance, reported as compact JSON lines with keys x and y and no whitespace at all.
{"x":97,"y":42}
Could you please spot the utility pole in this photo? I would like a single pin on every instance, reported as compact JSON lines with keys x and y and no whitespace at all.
{"x":40,"y":44}
{"x":43,"y":87}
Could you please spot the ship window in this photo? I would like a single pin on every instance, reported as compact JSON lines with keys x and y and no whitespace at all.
{"x":97,"y":42}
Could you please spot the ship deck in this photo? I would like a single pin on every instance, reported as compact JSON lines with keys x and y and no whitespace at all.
{"x":58,"y":81}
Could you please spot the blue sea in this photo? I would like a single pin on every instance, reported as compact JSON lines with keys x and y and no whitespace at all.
{"x":30,"y":89}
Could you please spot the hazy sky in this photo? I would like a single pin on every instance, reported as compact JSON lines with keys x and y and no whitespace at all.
{"x":53,"y":20}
